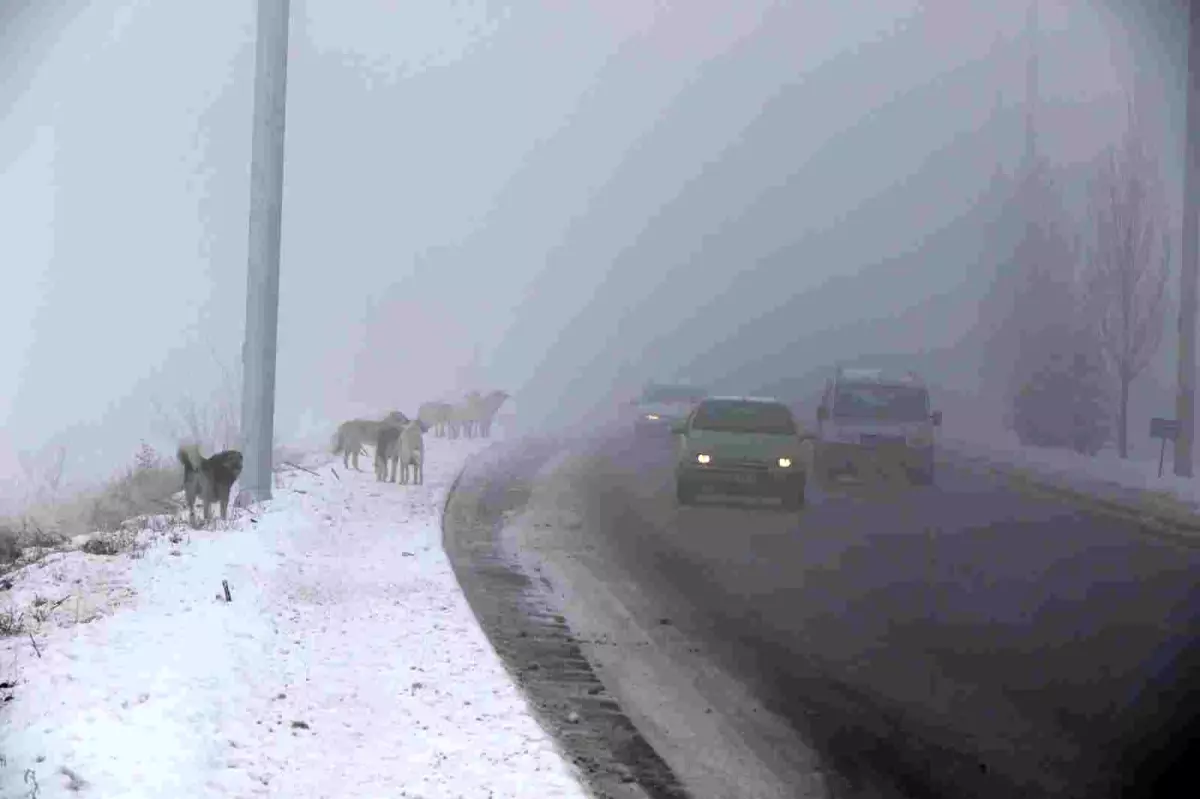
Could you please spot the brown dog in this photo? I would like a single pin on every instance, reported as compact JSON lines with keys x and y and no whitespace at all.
{"x":209,"y":479}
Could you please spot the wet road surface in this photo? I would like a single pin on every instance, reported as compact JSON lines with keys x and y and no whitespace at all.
{"x":968,"y":638}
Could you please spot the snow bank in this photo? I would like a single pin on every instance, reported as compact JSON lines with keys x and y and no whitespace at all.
{"x":1133,"y":479}
{"x":348,"y":664}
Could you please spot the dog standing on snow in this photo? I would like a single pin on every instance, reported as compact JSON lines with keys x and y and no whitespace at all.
{"x":209,"y":479}
{"x":387,"y":451}
{"x":412,"y":452}
{"x":351,"y":436}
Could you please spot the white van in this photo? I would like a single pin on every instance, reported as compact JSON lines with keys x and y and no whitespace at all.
{"x":871,"y":415}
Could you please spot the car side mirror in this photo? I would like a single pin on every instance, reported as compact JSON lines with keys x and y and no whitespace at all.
{"x":936,"y":418}
{"x":822,"y":413}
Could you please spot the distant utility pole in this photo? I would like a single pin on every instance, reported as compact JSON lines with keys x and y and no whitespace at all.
{"x":1185,"y":403}
{"x":262,"y":273}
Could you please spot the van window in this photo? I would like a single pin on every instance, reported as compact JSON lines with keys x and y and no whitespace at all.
{"x":881,"y":402}
{"x":665,"y":393}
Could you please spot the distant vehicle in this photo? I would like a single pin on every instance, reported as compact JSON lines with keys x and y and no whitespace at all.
{"x":869,"y":415}
{"x":663,"y":404}
{"x":740,"y":445}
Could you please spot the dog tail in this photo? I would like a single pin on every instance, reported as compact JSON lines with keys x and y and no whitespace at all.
{"x":189,"y":456}
{"x":335,"y":444}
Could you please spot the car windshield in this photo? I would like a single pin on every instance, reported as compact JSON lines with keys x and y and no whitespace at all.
{"x":687,"y":394}
{"x":735,"y":416}
{"x":874,"y":401}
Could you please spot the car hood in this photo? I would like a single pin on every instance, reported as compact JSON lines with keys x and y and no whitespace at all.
{"x":743,"y":445}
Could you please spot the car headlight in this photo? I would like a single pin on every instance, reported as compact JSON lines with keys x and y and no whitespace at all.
{"x":785,"y":463}
{"x":703,"y":458}
{"x":652,"y":417}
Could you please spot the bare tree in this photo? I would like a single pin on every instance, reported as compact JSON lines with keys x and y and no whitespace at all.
{"x":1128,"y":263}
{"x":43,"y":478}
{"x":214,"y":425}
{"x":54,"y":473}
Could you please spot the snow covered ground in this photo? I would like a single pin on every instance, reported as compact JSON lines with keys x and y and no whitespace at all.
{"x":348,"y":663}
{"x":1132,"y":479}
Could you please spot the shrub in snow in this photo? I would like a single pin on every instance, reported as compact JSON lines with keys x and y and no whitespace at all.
{"x":101,"y":545}
{"x":12,"y":622}
{"x":10,"y":547}
{"x":1066,"y":403}
{"x":146,"y":488}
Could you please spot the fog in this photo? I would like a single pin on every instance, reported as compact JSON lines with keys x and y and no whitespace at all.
{"x":562,"y":199}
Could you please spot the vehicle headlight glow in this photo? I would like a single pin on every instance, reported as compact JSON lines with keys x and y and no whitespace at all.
{"x":703,"y":458}
{"x":652,"y":417}
{"x":784,"y":463}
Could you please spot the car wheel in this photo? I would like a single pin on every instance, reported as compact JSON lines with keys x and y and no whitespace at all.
{"x":685,"y":493}
{"x":793,"y":495}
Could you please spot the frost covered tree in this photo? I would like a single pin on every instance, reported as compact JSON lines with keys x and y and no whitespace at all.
{"x":1036,"y":346}
{"x":1057,"y":388}
{"x":1065,"y":401}
{"x":1128,"y":263}
{"x":997,"y":308}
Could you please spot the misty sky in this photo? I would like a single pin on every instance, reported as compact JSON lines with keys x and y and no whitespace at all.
{"x":460,"y":177}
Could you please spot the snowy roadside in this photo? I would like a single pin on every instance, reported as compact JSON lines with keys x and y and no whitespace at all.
{"x":1133,"y":483}
{"x":348,"y":663}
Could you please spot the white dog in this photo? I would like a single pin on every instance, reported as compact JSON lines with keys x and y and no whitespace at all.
{"x":412,"y":453}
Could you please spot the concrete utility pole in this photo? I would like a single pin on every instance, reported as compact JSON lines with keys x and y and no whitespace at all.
{"x":262,"y":273}
{"x":1185,"y":404}
{"x":1032,"y":85}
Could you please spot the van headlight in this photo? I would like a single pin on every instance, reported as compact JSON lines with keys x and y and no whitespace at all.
{"x":703,"y":458}
{"x":785,"y":463}
{"x":652,"y":417}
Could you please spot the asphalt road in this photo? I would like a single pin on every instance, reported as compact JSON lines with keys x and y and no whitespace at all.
{"x":963,"y":639}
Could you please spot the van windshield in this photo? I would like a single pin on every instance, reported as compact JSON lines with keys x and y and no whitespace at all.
{"x":672,"y":394}
{"x":884,"y":402}
{"x":735,"y":416}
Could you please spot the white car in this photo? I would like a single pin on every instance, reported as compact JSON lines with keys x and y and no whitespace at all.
{"x":870,"y":415}
{"x":662,"y":405}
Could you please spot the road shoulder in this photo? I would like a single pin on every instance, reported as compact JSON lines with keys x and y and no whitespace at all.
{"x":534,"y":640}
{"x":712,"y":731}
{"x":1156,"y":513}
